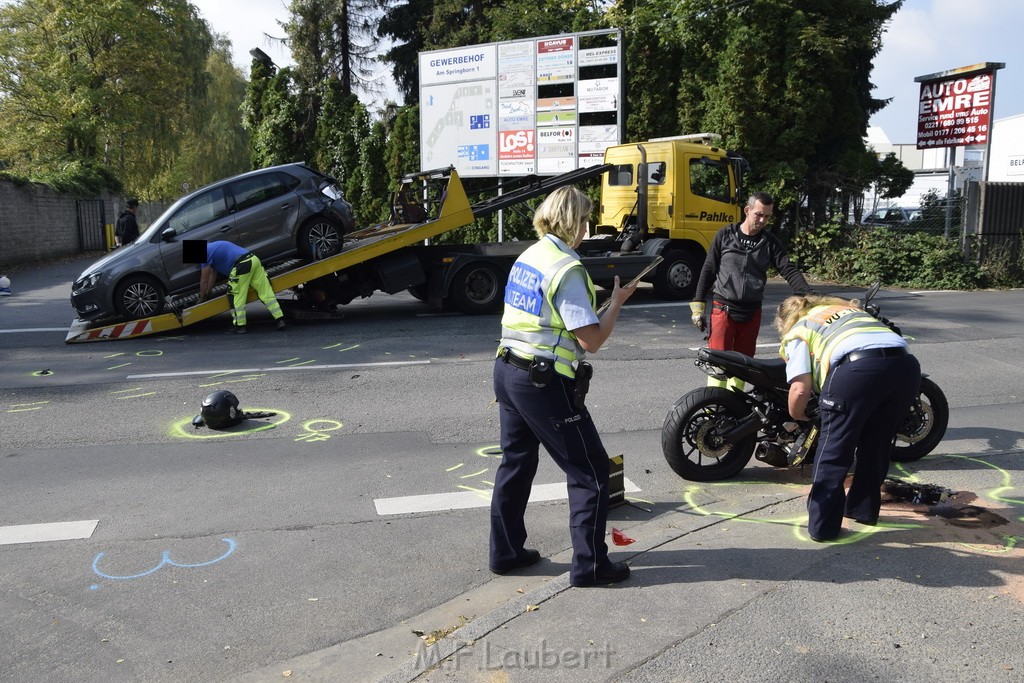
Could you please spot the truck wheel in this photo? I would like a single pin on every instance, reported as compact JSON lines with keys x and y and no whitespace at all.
{"x":139,"y":296}
{"x":320,"y":238}
{"x":676,"y":278}
{"x":418,"y":292}
{"x":477,"y":288}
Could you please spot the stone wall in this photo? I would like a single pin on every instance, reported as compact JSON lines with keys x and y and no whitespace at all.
{"x":37,"y":223}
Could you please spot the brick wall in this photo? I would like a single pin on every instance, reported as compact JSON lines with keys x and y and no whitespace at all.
{"x":37,"y":223}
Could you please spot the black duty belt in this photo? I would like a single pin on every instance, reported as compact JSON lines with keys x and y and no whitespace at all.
{"x":244,"y":257}
{"x":514,"y":360}
{"x":888,"y":352}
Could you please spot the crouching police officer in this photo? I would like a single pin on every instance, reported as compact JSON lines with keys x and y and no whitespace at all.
{"x":540,"y":381}
{"x":866,"y":380}
{"x":243,"y":270}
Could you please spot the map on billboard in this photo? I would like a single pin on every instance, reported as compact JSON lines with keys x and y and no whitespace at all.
{"x":541,"y":105}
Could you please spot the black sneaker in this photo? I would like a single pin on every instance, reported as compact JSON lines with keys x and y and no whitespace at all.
{"x":527,"y":559}
{"x":280,"y":324}
{"x":613,"y":572}
{"x":237,"y":329}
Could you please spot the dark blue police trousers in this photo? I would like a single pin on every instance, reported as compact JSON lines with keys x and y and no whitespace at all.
{"x":862,"y":405}
{"x":531,"y":416}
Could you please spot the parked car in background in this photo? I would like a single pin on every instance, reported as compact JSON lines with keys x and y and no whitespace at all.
{"x":892,"y":217}
{"x":276,"y":213}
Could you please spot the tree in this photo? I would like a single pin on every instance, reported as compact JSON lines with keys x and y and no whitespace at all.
{"x":82,"y":81}
{"x":273,"y":117}
{"x":331,"y":40}
{"x":218,"y":146}
{"x":787,"y":82}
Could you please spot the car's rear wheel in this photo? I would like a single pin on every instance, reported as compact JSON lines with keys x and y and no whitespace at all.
{"x":139,"y":296}
{"x":319,"y":238}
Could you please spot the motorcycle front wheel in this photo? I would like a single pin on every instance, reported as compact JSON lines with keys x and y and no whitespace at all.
{"x":924,"y":426}
{"x":690,"y":437}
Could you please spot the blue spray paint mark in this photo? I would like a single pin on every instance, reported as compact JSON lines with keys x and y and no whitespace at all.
{"x":164,"y":561}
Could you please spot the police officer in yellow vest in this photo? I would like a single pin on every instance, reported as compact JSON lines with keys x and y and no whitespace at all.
{"x":866,"y":380}
{"x":540,"y":380}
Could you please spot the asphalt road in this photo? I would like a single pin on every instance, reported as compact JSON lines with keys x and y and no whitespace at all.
{"x":218,"y":555}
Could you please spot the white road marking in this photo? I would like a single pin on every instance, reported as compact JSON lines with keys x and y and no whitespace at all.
{"x":35,"y":329}
{"x":434,"y":502}
{"x":53,"y":531}
{"x":279,"y":369}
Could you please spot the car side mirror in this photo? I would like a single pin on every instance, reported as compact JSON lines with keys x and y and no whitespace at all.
{"x":168,"y":235}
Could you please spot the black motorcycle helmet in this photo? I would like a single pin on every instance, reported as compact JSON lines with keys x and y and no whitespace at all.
{"x":220,"y":411}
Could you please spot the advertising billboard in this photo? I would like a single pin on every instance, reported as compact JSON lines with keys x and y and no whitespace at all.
{"x":537,"y":106}
{"x":955,"y":107}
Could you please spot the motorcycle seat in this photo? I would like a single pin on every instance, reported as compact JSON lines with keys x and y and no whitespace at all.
{"x":773,"y":368}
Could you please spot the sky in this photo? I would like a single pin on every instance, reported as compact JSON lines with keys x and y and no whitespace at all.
{"x":924,"y":37}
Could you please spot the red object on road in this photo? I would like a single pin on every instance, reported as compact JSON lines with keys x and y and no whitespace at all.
{"x":619,"y":538}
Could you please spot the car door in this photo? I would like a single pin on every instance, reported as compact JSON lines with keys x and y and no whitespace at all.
{"x":266,"y":213}
{"x":204,"y":217}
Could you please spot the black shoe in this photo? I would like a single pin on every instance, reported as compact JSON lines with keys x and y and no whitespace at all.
{"x":527,"y":559}
{"x":280,"y":324}
{"x":613,"y":572}
{"x":865,"y":522}
{"x":236,"y":329}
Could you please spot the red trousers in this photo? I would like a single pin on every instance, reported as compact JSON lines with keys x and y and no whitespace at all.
{"x":729,"y":335}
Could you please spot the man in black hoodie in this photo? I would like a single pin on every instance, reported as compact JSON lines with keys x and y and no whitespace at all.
{"x":735,"y":271}
{"x":126,"y":230}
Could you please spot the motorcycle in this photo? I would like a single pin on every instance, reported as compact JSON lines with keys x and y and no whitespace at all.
{"x":712,"y":432}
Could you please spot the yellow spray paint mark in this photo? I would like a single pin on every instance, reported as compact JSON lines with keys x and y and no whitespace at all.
{"x":115,"y":367}
{"x":151,"y":393}
{"x":798,"y":524}
{"x":26,"y":407}
{"x":489,"y":451}
{"x":42,"y":373}
{"x":331,"y":346}
{"x":483,"y":493}
{"x":183,"y":428}
{"x":114,"y":355}
{"x":455,"y":467}
{"x":305,"y":362}
{"x":349,"y":348}
{"x":149,"y":354}
{"x":126,"y":391}
{"x":318,"y":433}
{"x":287,"y":360}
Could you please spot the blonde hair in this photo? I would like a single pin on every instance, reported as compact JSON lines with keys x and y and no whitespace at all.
{"x":562,"y":214}
{"x":797,"y":306}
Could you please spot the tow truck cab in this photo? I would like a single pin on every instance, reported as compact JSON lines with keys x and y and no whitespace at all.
{"x":681,"y":190}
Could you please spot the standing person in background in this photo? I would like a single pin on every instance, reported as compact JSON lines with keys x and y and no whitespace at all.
{"x":243,"y":270}
{"x":735,"y":271}
{"x":866,"y":381}
{"x":126,"y":229}
{"x":540,"y":382}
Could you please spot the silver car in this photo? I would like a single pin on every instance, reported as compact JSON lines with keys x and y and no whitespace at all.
{"x":276,"y":213}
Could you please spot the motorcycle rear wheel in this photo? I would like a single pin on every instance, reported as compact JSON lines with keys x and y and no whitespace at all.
{"x":689,"y":441}
{"x":924,"y":426}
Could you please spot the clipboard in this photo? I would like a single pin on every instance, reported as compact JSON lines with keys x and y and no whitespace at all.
{"x":648,"y":268}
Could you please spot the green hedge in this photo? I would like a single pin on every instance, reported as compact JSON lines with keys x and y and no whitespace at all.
{"x":838,"y":252}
